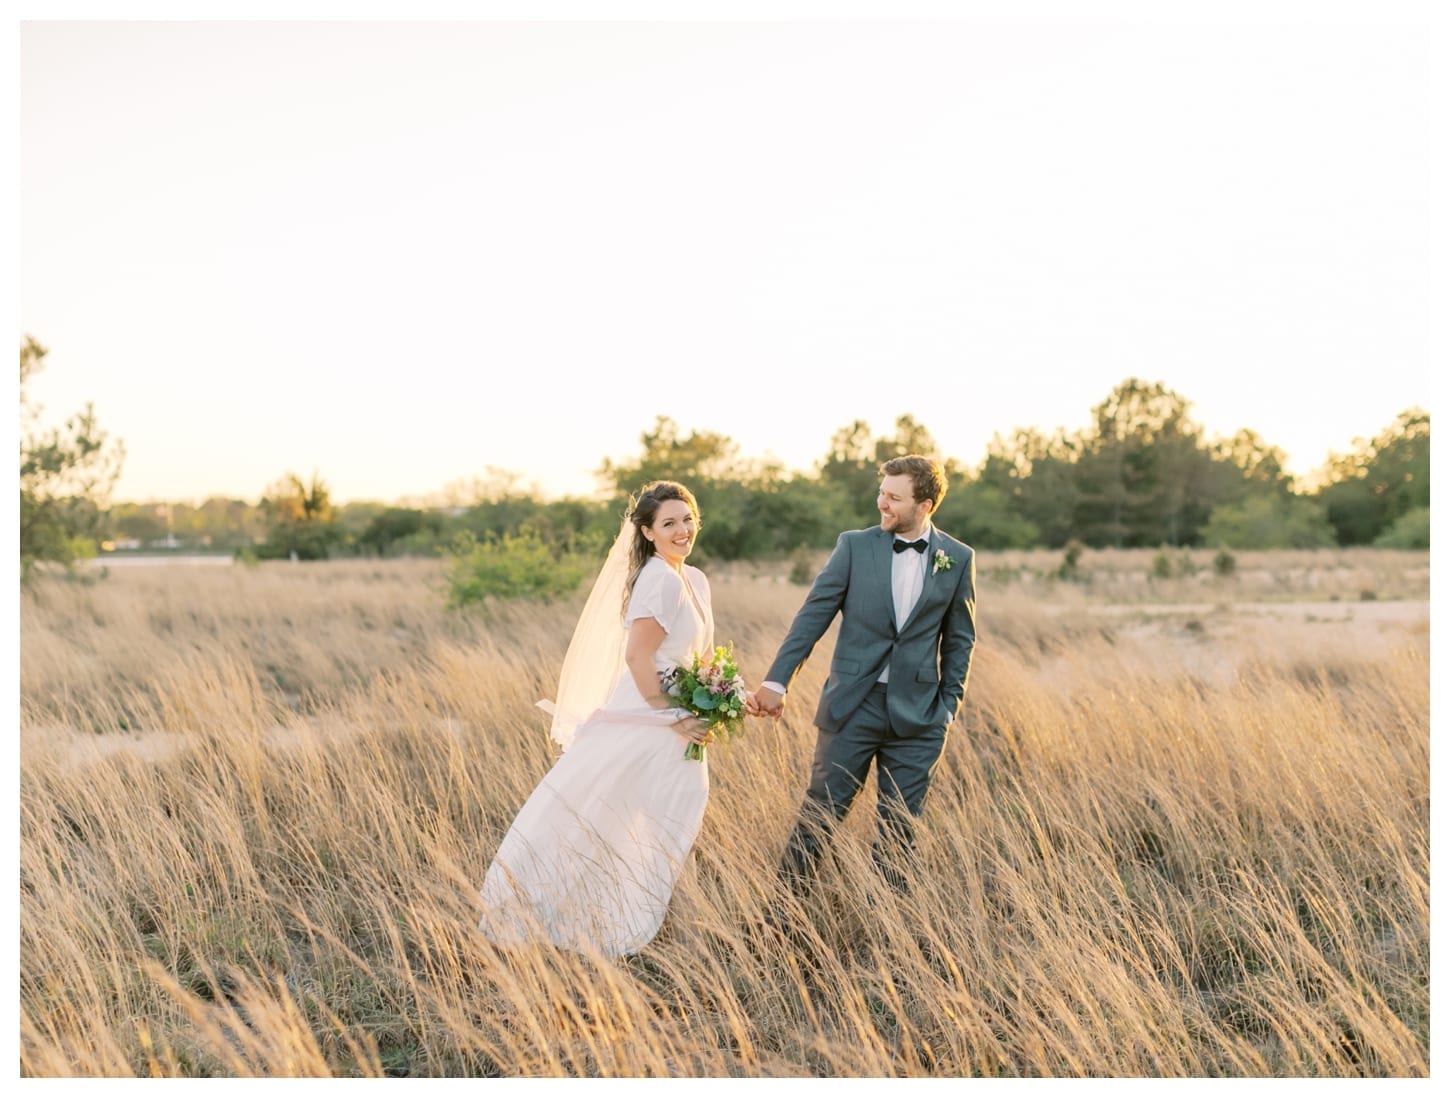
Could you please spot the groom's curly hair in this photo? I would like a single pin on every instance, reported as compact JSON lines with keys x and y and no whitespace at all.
{"x":928,"y":478}
{"x":642,"y":511}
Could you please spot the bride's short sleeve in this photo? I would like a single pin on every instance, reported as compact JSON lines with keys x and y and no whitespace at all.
{"x":657,"y":594}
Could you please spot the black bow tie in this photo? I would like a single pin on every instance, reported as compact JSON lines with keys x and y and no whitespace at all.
{"x":900,"y":546}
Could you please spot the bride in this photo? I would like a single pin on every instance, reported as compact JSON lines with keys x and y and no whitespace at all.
{"x":595,"y":852}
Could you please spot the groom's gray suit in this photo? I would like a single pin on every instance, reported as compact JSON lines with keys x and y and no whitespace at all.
{"x":900,"y":724}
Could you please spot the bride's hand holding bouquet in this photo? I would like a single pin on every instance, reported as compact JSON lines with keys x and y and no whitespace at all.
{"x":712,"y":690}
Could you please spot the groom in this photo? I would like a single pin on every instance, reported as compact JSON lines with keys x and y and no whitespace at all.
{"x":907,"y":599}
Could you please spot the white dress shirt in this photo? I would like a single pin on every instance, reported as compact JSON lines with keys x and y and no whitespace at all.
{"x":908,"y":577}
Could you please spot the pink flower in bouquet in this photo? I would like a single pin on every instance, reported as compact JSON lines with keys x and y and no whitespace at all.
{"x":714,"y":692}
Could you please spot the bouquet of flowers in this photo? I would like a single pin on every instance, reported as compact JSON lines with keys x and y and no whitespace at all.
{"x":711,"y":690}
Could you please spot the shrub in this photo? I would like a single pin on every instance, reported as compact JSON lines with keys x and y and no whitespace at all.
{"x":301,"y":541}
{"x":1270,"y":522}
{"x":402,"y":529}
{"x":1410,"y":531}
{"x":514,"y":566}
{"x":1224,"y":562}
{"x":1167,"y":566}
{"x":802,"y":567}
{"x":1071,"y":554}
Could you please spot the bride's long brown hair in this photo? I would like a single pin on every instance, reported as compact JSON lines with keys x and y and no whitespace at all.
{"x":642,"y":512}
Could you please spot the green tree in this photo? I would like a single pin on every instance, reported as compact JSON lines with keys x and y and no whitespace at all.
{"x":66,"y":476}
{"x":396,"y":525}
{"x":981,"y":514}
{"x":848,"y":471}
{"x":909,"y":437}
{"x":303,"y":526}
{"x":499,"y":515}
{"x":700,"y":457}
{"x":1033,"y":476}
{"x":1252,"y":467}
{"x":851,"y":470}
{"x":1141,"y":470}
{"x":709,"y":465}
{"x":571,"y":525}
{"x":1380,"y":480}
{"x":229,"y":522}
{"x":583,"y":526}
{"x":793,"y":513}
{"x":143,"y":522}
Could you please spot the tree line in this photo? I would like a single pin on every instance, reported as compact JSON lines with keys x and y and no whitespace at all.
{"x":1143,"y":473}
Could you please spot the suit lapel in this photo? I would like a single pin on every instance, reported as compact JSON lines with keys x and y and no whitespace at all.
{"x":881,"y":563}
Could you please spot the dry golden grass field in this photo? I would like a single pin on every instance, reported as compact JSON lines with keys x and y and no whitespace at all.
{"x":1181,"y":829}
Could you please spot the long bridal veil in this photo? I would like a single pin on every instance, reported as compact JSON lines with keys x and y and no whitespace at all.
{"x":595,"y":658}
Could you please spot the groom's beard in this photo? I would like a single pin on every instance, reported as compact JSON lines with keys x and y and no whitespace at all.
{"x":899,"y":524}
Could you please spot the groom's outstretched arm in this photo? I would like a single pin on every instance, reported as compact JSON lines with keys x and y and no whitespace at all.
{"x":822,"y":604}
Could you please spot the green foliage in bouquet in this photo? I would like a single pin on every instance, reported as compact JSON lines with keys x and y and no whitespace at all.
{"x":712,"y":691}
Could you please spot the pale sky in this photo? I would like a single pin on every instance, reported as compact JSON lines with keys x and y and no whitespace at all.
{"x":400,"y":253}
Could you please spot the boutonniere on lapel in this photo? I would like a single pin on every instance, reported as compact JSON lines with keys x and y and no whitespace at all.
{"x":941,"y":562}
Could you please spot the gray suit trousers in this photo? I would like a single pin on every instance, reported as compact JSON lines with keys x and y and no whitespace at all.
{"x":842,"y":763}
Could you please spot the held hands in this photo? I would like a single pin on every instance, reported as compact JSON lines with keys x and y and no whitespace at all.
{"x":765,"y":702}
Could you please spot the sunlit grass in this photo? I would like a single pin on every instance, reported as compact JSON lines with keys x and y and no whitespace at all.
{"x":256,"y":804}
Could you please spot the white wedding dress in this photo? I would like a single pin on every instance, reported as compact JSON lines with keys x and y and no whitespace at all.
{"x":593,"y":856}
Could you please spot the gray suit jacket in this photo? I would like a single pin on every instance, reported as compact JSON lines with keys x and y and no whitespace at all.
{"x":929,"y":656}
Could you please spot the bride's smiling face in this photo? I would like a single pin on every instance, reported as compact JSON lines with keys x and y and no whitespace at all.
{"x":673,"y":531}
